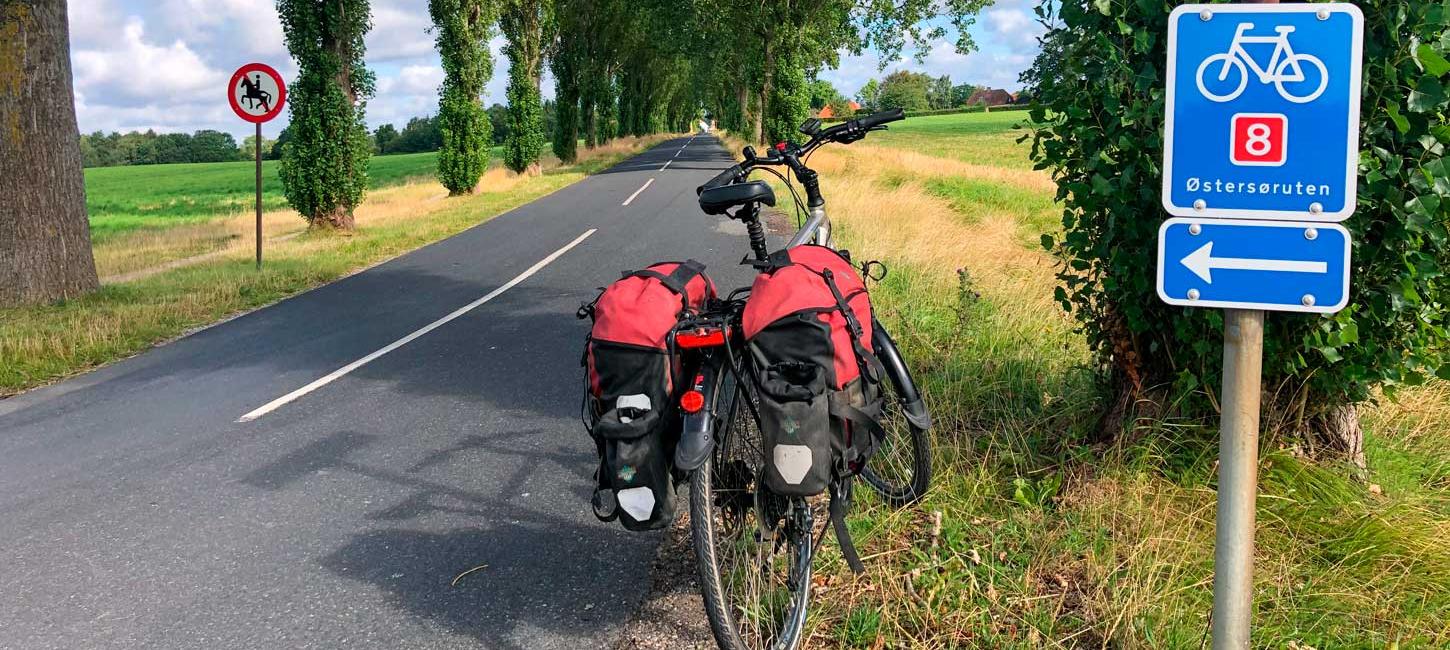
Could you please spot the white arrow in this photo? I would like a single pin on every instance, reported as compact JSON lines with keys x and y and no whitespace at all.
{"x":1202,"y":263}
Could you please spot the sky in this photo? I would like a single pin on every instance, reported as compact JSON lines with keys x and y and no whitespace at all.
{"x":164,"y":64}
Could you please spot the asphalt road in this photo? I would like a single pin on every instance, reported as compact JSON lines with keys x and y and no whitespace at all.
{"x":138,"y":511}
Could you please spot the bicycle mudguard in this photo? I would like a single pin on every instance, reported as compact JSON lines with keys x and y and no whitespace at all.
{"x":890,"y":356}
{"x":697,"y":436}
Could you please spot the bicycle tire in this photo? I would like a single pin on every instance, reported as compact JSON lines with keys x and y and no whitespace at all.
{"x":711,"y":513}
{"x":900,"y":474}
{"x":1301,"y":59}
{"x":1229,"y":60}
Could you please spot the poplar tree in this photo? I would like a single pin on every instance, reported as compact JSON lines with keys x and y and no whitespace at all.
{"x":524,"y":24}
{"x":325,"y":165}
{"x":565,"y":66}
{"x":463,"y":29}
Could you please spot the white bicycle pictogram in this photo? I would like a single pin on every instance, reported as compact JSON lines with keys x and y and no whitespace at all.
{"x":1285,"y":66}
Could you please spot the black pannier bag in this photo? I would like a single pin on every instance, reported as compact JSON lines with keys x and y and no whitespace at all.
{"x":808,"y":322}
{"x":631,"y":377}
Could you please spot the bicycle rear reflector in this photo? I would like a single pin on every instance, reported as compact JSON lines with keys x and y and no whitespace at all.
{"x":700,"y":338}
{"x":692,"y":401}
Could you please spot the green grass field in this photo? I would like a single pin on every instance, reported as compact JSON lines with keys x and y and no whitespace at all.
{"x":122,"y":199}
{"x":978,"y":138}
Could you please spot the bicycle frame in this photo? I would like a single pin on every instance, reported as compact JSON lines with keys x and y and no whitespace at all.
{"x":817,"y":230}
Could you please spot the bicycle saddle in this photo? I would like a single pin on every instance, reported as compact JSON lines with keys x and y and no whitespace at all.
{"x":717,"y":200}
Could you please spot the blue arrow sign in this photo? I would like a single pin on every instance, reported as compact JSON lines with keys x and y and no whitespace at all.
{"x":1262,"y":111}
{"x":1240,"y":264}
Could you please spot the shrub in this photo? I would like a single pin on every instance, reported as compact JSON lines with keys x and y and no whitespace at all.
{"x":1098,"y":104}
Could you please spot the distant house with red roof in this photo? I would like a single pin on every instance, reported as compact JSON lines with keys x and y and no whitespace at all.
{"x":828,"y":112}
{"x":990,"y":97}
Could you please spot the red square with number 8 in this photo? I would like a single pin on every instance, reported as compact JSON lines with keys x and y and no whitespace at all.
{"x":1259,"y":139}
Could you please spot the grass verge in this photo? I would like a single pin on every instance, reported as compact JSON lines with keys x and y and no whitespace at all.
{"x":40,"y":344}
{"x":1048,"y":538}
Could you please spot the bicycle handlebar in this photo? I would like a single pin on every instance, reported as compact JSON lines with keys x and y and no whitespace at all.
{"x":845,"y":133}
{"x":723,"y":178}
{"x":855,"y":129}
{"x":883,"y":117}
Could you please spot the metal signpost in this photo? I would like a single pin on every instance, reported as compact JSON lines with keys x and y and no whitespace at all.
{"x":257,"y":94}
{"x":1261,"y":143}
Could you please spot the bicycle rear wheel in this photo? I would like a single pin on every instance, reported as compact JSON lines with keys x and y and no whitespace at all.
{"x":753,"y":547}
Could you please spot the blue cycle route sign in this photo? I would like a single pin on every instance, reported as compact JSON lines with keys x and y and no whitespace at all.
{"x":1263,"y":111}
{"x":1242,"y":264}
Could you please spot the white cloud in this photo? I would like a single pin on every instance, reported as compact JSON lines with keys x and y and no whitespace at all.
{"x":1015,"y":28}
{"x":249,"y":26}
{"x":419,"y":79}
{"x":93,"y":20}
{"x":132,"y":71}
{"x":400,"y":32}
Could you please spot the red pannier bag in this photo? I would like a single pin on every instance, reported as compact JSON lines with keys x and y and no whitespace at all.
{"x":631,"y":375}
{"x":808,"y":323}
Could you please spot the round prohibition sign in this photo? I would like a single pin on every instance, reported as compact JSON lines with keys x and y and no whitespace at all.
{"x":257,"y":93}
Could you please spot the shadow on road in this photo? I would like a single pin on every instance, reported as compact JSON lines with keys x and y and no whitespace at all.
{"x":507,"y":603}
{"x":543,"y":569}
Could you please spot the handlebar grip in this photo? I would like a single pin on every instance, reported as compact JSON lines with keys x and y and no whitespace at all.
{"x":727,"y":176}
{"x":883,"y":117}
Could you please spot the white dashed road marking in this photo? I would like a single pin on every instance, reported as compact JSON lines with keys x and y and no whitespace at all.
{"x":636,"y":192}
{"x":340,"y":372}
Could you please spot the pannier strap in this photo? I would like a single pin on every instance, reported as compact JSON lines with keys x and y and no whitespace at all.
{"x":870,"y":421}
{"x":843,"y":534}
{"x":864,"y":357}
{"x":677,"y":280}
{"x":842,"y":409}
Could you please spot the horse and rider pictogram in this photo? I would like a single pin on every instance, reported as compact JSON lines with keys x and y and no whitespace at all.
{"x":253,"y":94}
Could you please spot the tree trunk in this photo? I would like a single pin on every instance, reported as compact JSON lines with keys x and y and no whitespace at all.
{"x":1336,"y":432}
{"x":742,"y":95}
{"x":767,"y":80}
{"x":339,"y":218}
{"x":45,"y":237}
{"x":587,"y":108}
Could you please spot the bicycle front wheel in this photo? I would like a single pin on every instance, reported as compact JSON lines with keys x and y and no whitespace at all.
{"x":753,"y":547}
{"x":900,"y":471}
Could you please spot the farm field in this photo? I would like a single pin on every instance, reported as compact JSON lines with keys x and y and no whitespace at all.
{"x":1049,"y":537}
{"x":122,"y":199}
{"x":978,"y":138}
